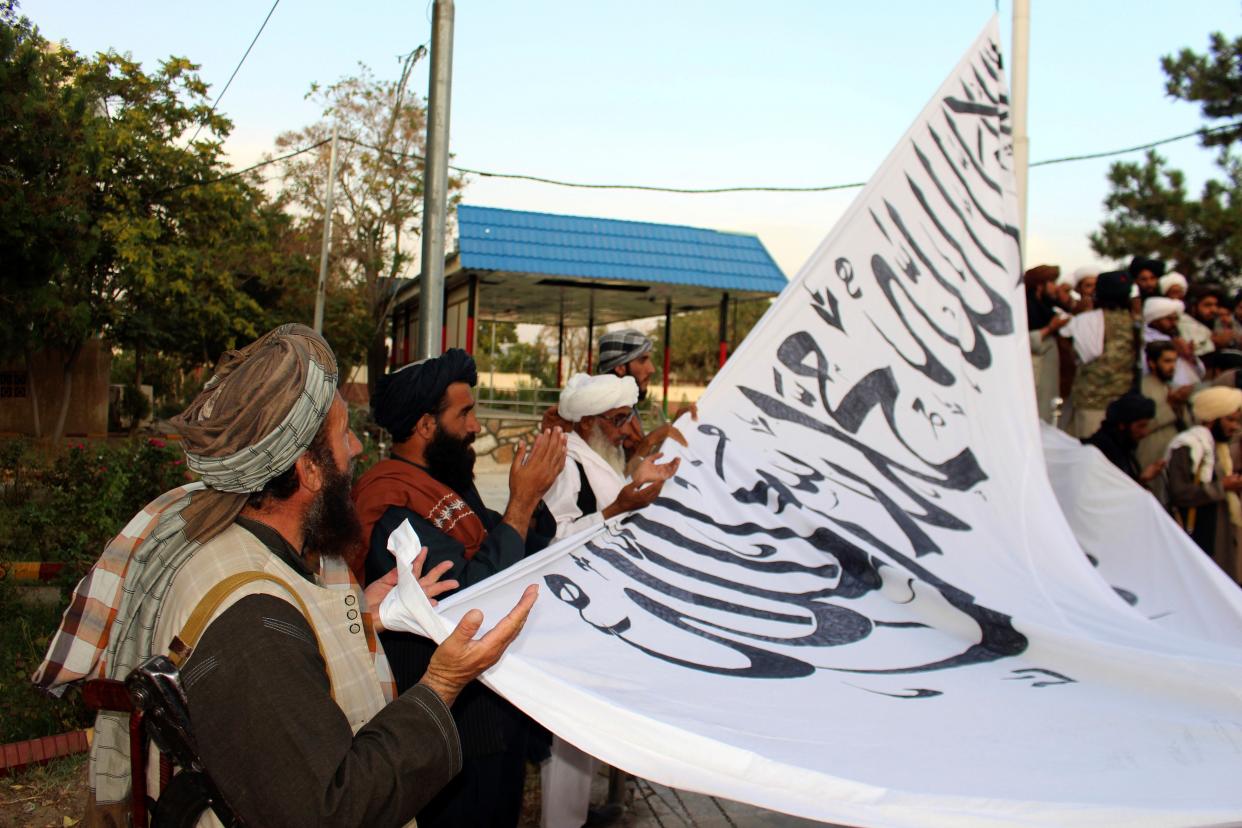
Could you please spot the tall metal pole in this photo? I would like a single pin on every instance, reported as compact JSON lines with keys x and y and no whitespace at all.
{"x":435,"y":183}
{"x":1018,"y":98}
{"x":322,"y":292}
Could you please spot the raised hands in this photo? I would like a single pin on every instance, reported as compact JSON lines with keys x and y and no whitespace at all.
{"x":461,"y":658}
{"x":533,"y":472}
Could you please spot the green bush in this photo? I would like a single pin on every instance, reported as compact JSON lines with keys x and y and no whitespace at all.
{"x":63,"y":507}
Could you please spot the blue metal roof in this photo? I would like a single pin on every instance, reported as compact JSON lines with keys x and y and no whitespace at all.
{"x":596,"y":248}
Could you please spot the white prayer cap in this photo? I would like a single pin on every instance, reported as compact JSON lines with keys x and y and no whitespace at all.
{"x":1169,"y":280}
{"x":1084,"y":273}
{"x":586,"y":396}
{"x":1158,"y":307}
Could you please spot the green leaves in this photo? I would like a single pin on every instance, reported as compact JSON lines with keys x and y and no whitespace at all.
{"x":1149,"y":209}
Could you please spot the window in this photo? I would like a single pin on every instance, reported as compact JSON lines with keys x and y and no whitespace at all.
{"x":12,"y":384}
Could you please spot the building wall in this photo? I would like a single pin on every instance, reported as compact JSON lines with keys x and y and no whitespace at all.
{"x":88,"y":402}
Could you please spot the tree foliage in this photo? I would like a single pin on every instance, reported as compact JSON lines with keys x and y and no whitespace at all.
{"x":378,"y":194}
{"x":111,"y":224}
{"x":1150,"y":211}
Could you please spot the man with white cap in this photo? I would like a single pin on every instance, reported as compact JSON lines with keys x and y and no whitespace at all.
{"x":1202,"y":487}
{"x":1084,"y":285}
{"x":592,"y":488}
{"x":1173,"y":285}
{"x":1161,"y":319}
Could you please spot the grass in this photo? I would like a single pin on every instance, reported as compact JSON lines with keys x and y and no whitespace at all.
{"x":47,"y":795}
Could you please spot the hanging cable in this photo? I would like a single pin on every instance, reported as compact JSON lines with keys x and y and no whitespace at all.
{"x":236,"y":69}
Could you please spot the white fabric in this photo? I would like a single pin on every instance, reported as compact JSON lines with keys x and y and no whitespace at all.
{"x":1195,"y":332}
{"x":562,"y":498}
{"x":1169,"y":280}
{"x":585,"y":395}
{"x":1087,"y":331}
{"x":565,"y":786}
{"x":1202,"y":451}
{"x":1185,"y":371}
{"x":1137,"y":548}
{"x":1158,"y":307}
{"x":858,"y":601}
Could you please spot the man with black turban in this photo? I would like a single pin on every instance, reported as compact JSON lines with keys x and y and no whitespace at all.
{"x":1145,"y":275}
{"x":428,"y":408}
{"x":240,"y":575}
{"x":1127,"y":421}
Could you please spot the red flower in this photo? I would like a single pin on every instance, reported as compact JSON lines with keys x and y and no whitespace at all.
{"x":157,"y":442}
{"x":177,"y":462}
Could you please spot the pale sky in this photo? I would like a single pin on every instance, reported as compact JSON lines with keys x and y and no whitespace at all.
{"x":696,"y":93}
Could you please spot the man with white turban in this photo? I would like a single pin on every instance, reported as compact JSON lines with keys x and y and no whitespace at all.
{"x":1202,"y":488}
{"x":240,"y":580}
{"x":1161,"y":322}
{"x":1083,"y":280}
{"x":1173,"y":285}
{"x":592,"y":488}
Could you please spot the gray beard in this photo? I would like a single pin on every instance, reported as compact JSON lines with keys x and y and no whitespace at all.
{"x":613,"y":455}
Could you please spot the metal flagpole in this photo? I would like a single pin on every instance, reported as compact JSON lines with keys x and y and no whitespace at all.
{"x":1018,"y":101}
{"x":322,"y":292}
{"x":435,"y":183}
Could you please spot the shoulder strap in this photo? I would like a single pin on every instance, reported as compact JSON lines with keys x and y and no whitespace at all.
{"x":183,"y":643}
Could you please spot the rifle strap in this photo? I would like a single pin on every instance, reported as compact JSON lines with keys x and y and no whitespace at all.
{"x":183,"y":644}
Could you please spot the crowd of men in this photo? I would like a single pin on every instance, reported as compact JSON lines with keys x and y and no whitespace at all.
{"x":260,"y":584}
{"x":1144,"y":365}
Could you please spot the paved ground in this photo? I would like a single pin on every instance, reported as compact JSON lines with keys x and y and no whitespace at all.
{"x":650,"y":805}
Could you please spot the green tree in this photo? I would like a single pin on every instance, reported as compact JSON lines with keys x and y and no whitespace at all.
{"x":46,"y":195}
{"x":696,"y":340}
{"x":1150,"y":211}
{"x":378,"y":194}
{"x":135,"y":236}
{"x":497,"y":334}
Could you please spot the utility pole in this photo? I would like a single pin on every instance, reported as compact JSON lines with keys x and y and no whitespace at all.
{"x":322,"y":292}
{"x":1018,"y":97}
{"x":435,"y":182}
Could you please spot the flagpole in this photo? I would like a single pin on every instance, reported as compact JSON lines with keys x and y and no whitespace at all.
{"x":1018,"y":99}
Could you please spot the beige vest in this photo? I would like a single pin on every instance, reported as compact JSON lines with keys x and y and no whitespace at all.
{"x":336,"y":616}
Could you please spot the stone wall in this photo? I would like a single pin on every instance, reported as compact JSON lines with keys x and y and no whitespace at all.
{"x":499,"y":438}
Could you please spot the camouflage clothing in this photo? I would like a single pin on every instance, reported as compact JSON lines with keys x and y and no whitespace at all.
{"x":1111,"y":374}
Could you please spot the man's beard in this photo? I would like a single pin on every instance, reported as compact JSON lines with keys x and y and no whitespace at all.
{"x":609,"y":452}
{"x":451,"y":460}
{"x":332,"y":528}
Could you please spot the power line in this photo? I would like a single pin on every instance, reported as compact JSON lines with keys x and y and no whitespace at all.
{"x":1182,"y":137}
{"x":237,"y":173}
{"x":684,"y":190}
{"x":236,"y":69}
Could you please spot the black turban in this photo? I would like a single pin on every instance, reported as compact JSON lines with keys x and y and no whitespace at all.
{"x":1130,"y":407}
{"x":1140,"y":263}
{"x":404,"y":396}
{"x":1112,"y":290}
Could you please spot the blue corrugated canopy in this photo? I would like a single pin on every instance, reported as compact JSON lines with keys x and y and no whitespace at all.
{"x":579,"y":247}
{"x":542,"y":267}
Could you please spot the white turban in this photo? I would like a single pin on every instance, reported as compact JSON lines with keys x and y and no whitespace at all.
{"x":1158,"y":307}
{"x":1214,"y":403}
{"x":1084,"y":273}
{"x":1169,"y":280}
{"x":586,"y":396}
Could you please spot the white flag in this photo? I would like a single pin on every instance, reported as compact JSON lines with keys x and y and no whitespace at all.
{"x":858,"y":601}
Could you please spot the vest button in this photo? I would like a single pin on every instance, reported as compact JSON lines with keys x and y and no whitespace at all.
{"x":352,"y":614}
{"x":355,"y":629}
{"x":349,"y":599}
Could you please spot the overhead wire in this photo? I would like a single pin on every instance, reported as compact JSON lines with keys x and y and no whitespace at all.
{"x":680,"y":190}
{"x":236,"y":69}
